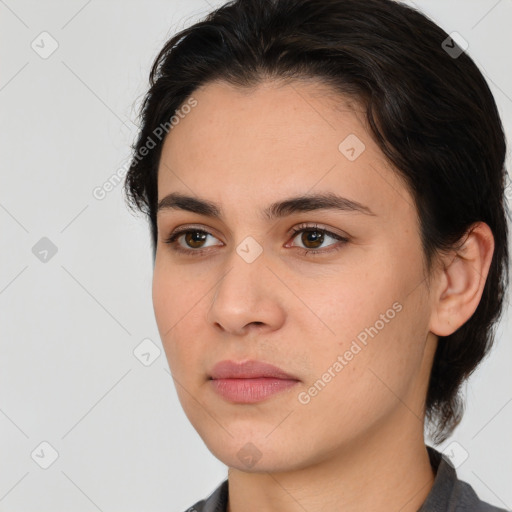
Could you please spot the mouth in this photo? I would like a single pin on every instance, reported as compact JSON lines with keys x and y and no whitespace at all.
{"x":250,"y":381}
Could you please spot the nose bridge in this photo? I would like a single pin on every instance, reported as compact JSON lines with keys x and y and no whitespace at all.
{"x":245,"y":267}
{"x":243,"y":295}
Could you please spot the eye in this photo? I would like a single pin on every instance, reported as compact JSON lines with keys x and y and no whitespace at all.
{"x":312,"y":238}
{"x":193,"y":239}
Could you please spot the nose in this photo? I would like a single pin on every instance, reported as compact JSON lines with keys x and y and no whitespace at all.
{"x":248,"y":297}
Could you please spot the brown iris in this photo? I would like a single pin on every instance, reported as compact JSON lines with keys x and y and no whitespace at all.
{"x":315,"y":237}
{"x":195,"y":238}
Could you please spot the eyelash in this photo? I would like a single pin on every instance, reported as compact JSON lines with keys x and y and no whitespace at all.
{"x":172,"y":240}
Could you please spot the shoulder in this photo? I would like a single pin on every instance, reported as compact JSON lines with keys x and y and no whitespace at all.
{"x":465,"y":498}
{"x":449,"y":493}
{"x":215,"y":502}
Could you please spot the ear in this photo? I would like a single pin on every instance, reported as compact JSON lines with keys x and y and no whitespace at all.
{"x":461,"y":281}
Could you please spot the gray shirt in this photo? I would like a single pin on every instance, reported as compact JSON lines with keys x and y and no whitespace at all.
{"x":448,"y":494}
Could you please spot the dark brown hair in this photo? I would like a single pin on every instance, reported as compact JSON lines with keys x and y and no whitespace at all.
{"x":429,"y":108}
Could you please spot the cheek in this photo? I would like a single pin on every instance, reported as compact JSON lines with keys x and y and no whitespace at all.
{"x":180,"y":307}
{"x":359,"y":380}
{"x":173,"y":296}
{"x":164,"y":294}
{"x":376,"y":326}
{"x":169,"y":303}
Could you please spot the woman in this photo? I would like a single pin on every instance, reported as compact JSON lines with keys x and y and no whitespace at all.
{"x":324,"y":181}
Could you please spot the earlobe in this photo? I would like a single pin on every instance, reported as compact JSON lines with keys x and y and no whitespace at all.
{"x":461,"y":281}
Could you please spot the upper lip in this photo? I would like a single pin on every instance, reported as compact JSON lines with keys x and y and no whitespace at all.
{"x":248,"y":370}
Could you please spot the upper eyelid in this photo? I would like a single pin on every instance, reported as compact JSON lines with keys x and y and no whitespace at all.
{"x":298,"y":227}
{"x":193,"y":228}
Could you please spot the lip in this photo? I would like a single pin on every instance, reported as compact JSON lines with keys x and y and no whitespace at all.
{"x":249,"y":381}
{"x":248,"y":370}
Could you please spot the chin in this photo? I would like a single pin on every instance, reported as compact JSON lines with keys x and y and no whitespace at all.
{"x":259,"y":455}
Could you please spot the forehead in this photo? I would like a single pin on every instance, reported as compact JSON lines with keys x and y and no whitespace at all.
{"x":277,"y":139}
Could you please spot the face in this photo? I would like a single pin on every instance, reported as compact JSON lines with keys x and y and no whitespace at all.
{"x":333,"y":294}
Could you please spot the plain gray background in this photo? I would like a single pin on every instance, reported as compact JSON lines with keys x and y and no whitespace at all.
{"x":72,"y":319}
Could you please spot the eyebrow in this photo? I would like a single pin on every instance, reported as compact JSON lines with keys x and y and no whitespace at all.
{"x":303,"y":203}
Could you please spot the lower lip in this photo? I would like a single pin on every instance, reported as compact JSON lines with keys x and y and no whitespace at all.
{"x":247,"y":391}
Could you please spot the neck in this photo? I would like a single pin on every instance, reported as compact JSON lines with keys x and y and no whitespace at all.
{"x":380,"y":472}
